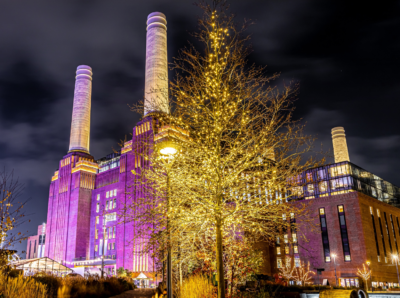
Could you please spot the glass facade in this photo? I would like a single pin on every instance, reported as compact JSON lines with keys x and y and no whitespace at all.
{"x":343,"y":177}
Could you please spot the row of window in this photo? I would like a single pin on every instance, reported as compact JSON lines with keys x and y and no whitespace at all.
{"x":392,"y":224}
{"x":143,"y":128}
{"x":109,"y":194}
{"x":288,"y":260}
{"x":109,"y":233}
{"x":110,"y":246}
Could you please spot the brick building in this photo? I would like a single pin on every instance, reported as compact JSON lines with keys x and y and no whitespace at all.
{"x":356,"y":221}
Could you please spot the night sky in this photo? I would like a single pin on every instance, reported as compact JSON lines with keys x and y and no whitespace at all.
{"x":346,"y":57}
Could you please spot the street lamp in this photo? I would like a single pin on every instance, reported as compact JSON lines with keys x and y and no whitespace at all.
{"x":104,"y":244}
{"x":370,"y":275}
{"x":168,"y":149}
{"x":396,"y":260}
{"x":334,"y":261}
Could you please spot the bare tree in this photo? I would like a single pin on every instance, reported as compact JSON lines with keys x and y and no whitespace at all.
{"x":12,"y":214}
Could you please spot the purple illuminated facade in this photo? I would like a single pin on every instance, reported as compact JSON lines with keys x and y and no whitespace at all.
{"x":87,"y":195}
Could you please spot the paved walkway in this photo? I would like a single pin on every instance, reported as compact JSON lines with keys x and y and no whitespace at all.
{"x":138,"y":293}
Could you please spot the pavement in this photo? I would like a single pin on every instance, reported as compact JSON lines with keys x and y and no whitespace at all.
{"x":137,"y":293}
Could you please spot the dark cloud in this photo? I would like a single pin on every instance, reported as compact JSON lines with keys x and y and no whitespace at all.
{"x":343,"y":54}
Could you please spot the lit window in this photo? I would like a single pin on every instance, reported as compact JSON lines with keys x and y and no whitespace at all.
{"x":347,"y":258}
{"x":309,"y":177}
{"x":279,"y":262}
{"x":371,"y":210}
{"x":107,"y":194}
{"x":295,"y":249}
{"x":98,"y":197}
{"x":294,"y":237}
{"x":285,"y":237}
{"x":96,"y":234}
{"x":97,"y":220}
{"x":310,"y":188}
{"x":284,"y":216}
{"x":278,"y":250}
{"x":111,"y":204}
{"x":292,"y":215}
{"x":277,"y":240}
{"x":110,"y":232}
{"x":322,"y":211}
{"x":113,"y":245}
{"x":378,"y":212}
{"x":115,"y":192}
{"x":106,"y":205}
{"x":287,"y":251}
{"x":111,"y":216}
{"x":96,"y":248}
{"x":327,"y":259}
{"x":97,"y":207}
{"x":340,"y":208}
{"x":114,"y":231}
{"x":115,"y":203}
{"x":379,"y":258}
{"x":297,"y":262}
{"x":323,"y":186}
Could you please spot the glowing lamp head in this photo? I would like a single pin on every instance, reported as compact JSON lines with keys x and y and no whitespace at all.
{"x":368,"y":262}
{"x":168,"y":151}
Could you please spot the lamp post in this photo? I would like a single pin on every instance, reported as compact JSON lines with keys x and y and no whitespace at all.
{"x":334,"y":261}
{"x":104,"y":244}
{"x":370,"y":275}
{"x":396,"y":260}
{"x":168,"y":150}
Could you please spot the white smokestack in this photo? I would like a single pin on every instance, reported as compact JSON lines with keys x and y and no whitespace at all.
{"x":80,"y":125}
{"x":340,"y":145}
{"x":156,"y":82}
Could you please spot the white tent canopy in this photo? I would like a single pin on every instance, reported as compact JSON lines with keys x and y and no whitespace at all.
{"x":41,"y":265}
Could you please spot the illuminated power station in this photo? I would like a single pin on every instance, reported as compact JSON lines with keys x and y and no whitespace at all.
{"x":86,"y":195}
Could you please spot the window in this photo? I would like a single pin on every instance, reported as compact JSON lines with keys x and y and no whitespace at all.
{"x":98,"y":197}
{"x":113,"y":245}
{"x":284,"y":217}
{"x":285,"y":237}
{"x":387,"y":232}
{"x":106,"y":205}
{"x":291,"y":215}
{"x":115,"y":204}
{"x":111,"y":216}
{"x":97,"y":207}
{"x":97,"y":220}
{"x":324,"y":235}
{"x":323,"y":186}
{"x":339,"y":170}
{"x":394,"y":233}
{"x":321,"y":174}
{"x":277,"y":240}
{"x":279,"y":263}
{"x":96,"y":248}
{"x":96,"y":234}
{"x":107,"y":194}
{"x":295,"y":249}
{"x":376,"y":237}
{"x":294,"y":238}
{"x":287,"y":250}
{"x":114,"y":231}
{"x":278,"y":250}
{"x":310,"y":188}
{"x":297,"y":262}
{"x":111,"y":204}
{"x":115,"y":192}
{"x":110,"y":232}
{"x":382,"y":237}
{"x":344,"y":234}
{"x":309,"y":177}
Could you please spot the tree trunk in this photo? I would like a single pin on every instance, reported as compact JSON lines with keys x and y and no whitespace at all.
{"x":220,"y":265}
{"x":233,"y":268}
{"x":180,"y":274}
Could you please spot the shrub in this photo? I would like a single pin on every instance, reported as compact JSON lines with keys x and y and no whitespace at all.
{"x":21,"y":286}
{"x":197,"y":286}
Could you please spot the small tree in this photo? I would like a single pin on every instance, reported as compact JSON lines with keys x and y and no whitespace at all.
{"x":12,"y":214}
{"x":365,"y":274}
{"x":302,"y":273}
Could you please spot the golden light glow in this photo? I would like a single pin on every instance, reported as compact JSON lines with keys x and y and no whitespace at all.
{"x":86,"y":166}
{"x":168,"y":151}
{"x":55,"y":177}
